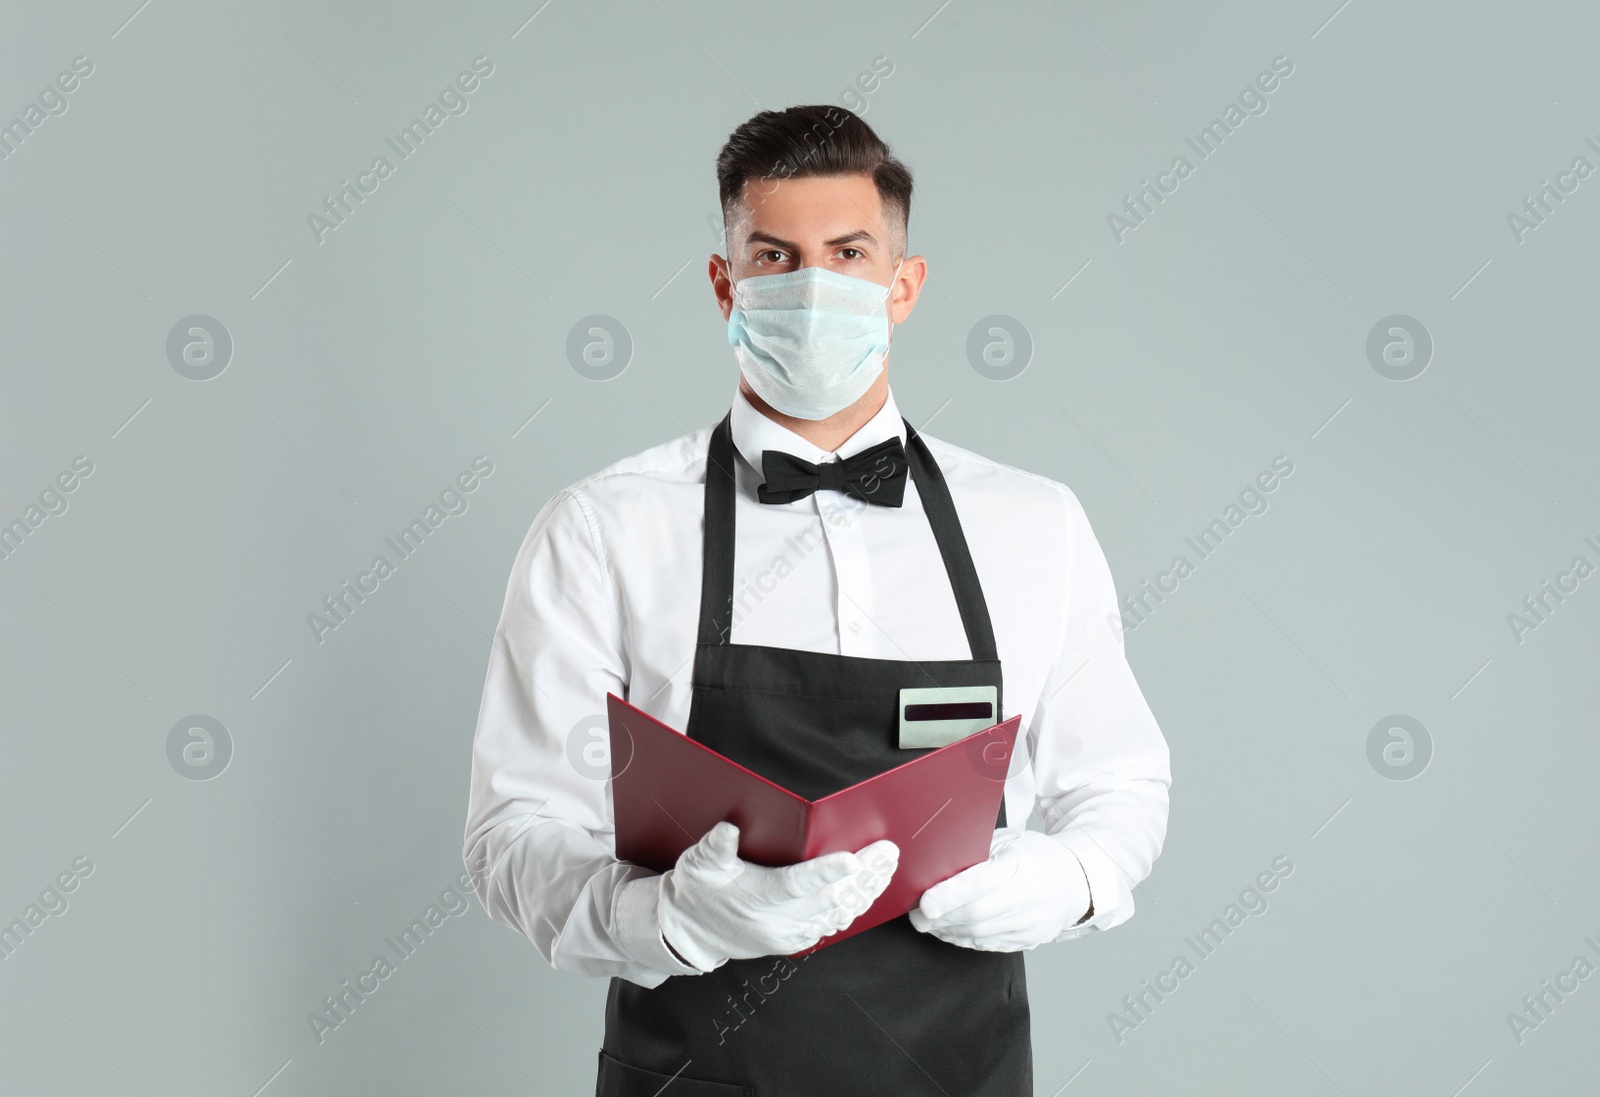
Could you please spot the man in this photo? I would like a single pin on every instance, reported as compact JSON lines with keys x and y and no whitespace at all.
{"x":841,"y":557}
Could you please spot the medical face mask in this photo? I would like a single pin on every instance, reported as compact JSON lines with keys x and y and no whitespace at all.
{"x":811,"y":341}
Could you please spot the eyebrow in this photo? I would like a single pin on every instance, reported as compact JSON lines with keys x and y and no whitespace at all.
{"x":838,"y":241}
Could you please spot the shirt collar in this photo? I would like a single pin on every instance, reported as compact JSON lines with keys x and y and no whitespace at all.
{"x":754,"y":433}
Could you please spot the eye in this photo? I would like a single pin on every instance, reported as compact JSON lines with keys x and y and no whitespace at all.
{"x":771,"y":255}
{"x":857,"y":252}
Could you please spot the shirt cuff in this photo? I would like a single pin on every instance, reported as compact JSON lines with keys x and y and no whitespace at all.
{"x":1112,"y":906}
{"x":637,"y":911}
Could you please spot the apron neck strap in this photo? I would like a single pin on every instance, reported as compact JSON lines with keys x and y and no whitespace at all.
{"x":716,"y":575}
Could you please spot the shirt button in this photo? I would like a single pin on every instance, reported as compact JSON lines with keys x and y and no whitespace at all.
{"x":855,"y":628}
{"x":839,"y":521}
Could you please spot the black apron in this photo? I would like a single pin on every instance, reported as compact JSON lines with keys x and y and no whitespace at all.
{"x":888,"y":1010}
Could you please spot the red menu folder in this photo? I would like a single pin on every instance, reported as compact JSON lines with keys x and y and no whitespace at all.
{"x":940,"y":808}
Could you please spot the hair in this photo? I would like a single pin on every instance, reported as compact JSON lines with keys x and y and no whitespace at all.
{"x":810,"y":141}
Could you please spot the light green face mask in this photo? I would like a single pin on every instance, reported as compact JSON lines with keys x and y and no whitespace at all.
{"x":811,"y":341}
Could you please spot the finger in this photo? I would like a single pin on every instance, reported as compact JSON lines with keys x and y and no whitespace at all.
{"x":960,"y":889}
{"x":876,"y":873}
{"x":877,"y":884}
{"x":801,"y":932}
{"x":1001,"y":933}
{"x":721,"y":842}
{"x":843,"y":902}
{"x":808,"y":935}
{"x":837,"y":917}
{"x":882,"y":854}
{"x":716,"y":853}
{"x":984,"y":942}
{"x":976,"y":909}
{"x":996,"y":876}
{"x":808,"y":877}
{"x":955,"y":935}
{"x":992,"y":912}
{"x":923,"y":924}
{"x":851,"y":898}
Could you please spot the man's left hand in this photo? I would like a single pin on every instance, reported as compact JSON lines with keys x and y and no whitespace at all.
{"x":1029,"y":890}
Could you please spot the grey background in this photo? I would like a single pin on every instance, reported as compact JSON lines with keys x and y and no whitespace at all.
{"x":369,"y":369}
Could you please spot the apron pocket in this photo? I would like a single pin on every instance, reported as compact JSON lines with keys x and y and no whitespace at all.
{"x":619,"y":1079}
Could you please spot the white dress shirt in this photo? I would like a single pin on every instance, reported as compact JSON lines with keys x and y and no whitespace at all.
{"x":604,"y":597}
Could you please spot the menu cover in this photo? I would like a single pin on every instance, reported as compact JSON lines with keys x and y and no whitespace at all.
{"x":939,"y":807}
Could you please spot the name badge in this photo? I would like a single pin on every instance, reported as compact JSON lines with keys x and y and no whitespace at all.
{"x":938,"y":716}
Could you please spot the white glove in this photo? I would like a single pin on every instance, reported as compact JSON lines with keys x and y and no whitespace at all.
{"x":717,"y":907}
{"x":1029,"y":890}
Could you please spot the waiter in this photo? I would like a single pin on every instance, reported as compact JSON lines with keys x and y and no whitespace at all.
{"x":770,"y":585}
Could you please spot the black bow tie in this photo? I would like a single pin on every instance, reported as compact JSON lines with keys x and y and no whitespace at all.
{"x":876,"y":475}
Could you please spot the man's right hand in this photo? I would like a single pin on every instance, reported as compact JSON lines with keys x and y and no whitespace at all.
{"x":717,"y":907}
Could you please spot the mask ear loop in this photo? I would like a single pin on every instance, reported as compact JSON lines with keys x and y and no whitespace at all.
{"x":889,"y":290}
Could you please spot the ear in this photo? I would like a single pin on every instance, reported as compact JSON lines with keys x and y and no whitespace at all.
{"x":905,"y":289}
{"x":721,"y":283}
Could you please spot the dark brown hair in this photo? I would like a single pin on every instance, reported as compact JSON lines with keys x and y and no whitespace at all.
{"x":813,"y":140}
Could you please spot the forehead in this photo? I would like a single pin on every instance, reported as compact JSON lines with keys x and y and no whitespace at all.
{"x":814,"y":207}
